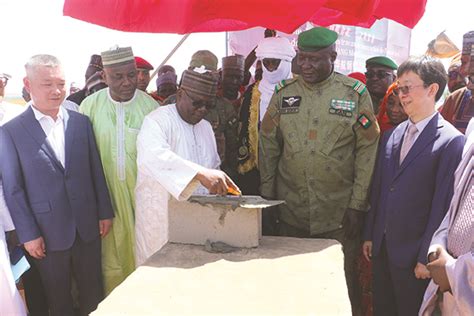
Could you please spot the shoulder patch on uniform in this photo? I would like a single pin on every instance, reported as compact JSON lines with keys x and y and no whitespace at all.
{"x":364,"y":121}
{"x":367,"y":125}
{"x":282,"y":84}
{"x":359,"y":87}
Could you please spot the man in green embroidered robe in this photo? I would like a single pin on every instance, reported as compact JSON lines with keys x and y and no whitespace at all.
{"x":117,"y":113}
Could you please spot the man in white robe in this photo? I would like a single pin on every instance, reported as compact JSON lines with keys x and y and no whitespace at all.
{"x":451,"y":253}
{"x":177,"y":155}
{"x":10,"y":300}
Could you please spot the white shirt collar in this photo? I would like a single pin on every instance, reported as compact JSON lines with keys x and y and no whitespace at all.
{"x":39,"y":116}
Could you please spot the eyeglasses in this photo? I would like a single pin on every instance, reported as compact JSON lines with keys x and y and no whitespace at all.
{"x":405,"y":89}
{"x":4,"y":80}
{"x":453,"y":74}
{"x":201,"y":103}
{"x":380,"y":74}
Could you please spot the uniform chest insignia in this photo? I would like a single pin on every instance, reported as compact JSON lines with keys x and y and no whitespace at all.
{"x":364,"y":121}
{"x":342,"y":107}
{"x":290,"y":104}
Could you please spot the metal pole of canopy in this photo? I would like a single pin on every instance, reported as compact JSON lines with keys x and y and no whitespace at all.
{"x":169,"y":55}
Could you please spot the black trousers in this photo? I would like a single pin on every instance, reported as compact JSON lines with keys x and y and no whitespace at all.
{"x":83,"y":262}
{"x":396,"y":291}
{"x":34,"y":290}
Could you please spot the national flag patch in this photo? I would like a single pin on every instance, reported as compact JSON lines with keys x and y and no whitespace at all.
{"x":364,"y":121}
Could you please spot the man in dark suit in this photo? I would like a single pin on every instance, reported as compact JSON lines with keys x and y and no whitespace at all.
{"x":55,"y":190}
{"x":411,"y":190}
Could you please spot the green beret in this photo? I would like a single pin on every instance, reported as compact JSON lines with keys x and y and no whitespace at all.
{"x":315,"y":39}
{"x":381,"y":61}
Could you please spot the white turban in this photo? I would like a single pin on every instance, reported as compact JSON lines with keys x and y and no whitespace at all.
{"x":279,"y":48}
{"x":275,"y":47}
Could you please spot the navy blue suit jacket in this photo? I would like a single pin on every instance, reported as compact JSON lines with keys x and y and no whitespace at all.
{"x":409,"y":201}
{"x":44,"y":198}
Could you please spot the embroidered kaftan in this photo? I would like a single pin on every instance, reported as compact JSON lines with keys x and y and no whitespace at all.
{"x":116,"y":126}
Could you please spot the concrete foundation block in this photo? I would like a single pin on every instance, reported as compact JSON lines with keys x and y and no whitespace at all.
{"x":194,"y":223}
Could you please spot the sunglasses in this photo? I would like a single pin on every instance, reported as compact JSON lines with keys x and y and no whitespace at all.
{"x":380,"y":74}
{"x":453,"y":74}
{"x":405,"y":89}
{"x":201,"y":103}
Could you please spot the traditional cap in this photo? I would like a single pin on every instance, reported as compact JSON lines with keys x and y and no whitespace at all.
{"x":118,"y":55}
{"x":467,"y":41}
{"x":203,"y":58}
{"x":456,"y":60}
{"x":143,"y":64}
{"x":233,"y":62}
{"x":166,"y":68}
{"x":358,"y":76}
{"x":275,"y":47}
{"x":96,"y":62}
{"x":381,"y":61}
{"x":167,"y":77}
{"x":95,"y":65}
{"x":94,"y":80}
{"x":316,"y":38}
{"x":201,"y":84}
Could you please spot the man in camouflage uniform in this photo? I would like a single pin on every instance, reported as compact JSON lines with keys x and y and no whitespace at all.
{"x":317,"y":149}
{"x":222,"y":117}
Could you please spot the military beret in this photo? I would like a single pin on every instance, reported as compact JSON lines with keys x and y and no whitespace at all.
{"x":315,"y":39}
{"x":203,"y":58}
{"x":381,"y":61}
{"x":142,"y":63}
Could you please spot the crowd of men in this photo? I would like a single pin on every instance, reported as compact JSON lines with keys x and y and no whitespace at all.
{"x":365,"y":159}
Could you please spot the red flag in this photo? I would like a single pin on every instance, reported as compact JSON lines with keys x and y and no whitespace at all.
{"x":188,"y":16}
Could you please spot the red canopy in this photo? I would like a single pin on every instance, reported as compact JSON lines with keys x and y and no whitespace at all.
{"x":190,"y":16}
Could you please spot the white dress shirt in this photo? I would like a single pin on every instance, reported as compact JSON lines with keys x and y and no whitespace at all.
{"x":54,"y":131}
